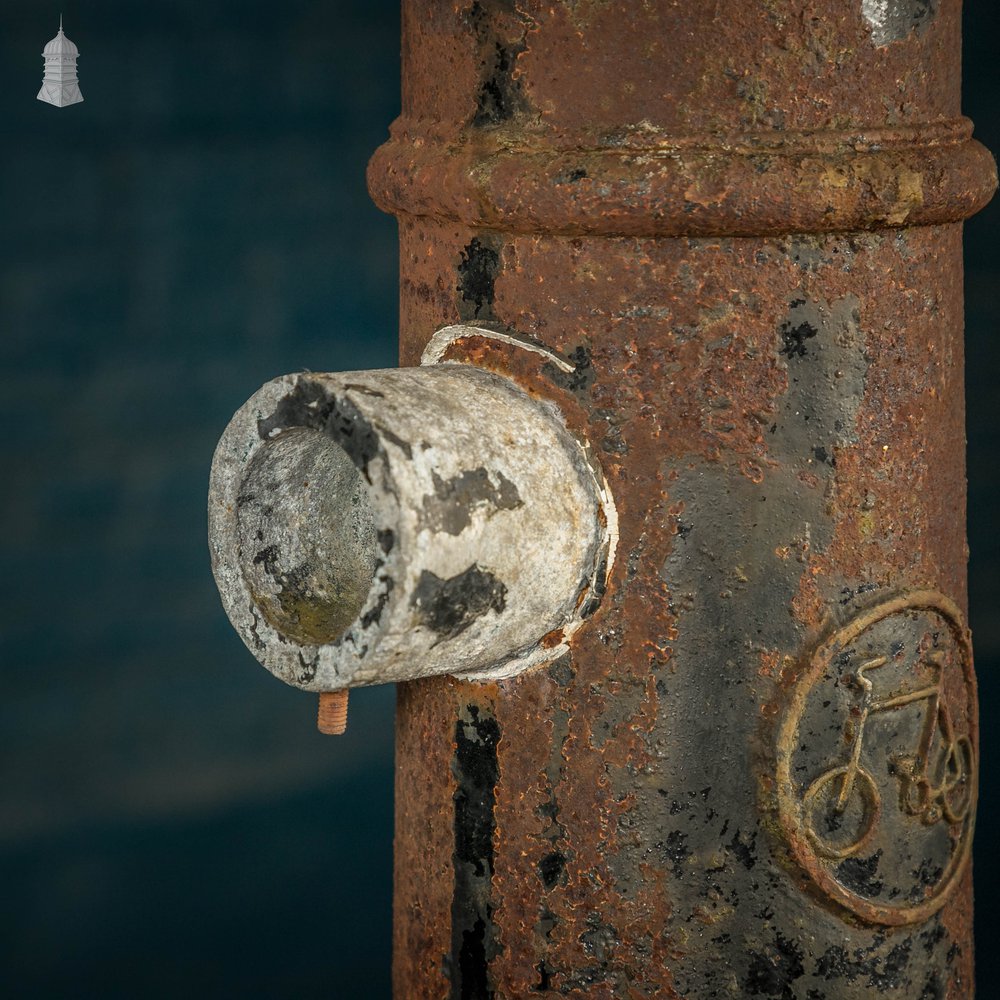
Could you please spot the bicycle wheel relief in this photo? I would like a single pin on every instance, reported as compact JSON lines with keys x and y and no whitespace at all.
{"x":877,"y":760}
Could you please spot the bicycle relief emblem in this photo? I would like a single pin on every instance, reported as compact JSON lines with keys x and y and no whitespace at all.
{"x":876,"y":760}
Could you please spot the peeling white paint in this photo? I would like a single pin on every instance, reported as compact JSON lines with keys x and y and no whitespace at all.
{"x":894,"y":20}
{"x":438,"y":345}
{"x":876,"y":13}
{"x":537,"y":655}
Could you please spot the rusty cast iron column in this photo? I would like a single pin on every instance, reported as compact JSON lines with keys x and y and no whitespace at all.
{"x":753,"y":775}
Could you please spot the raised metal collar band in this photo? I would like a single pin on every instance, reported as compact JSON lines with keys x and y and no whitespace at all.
{"x":643,"y":182}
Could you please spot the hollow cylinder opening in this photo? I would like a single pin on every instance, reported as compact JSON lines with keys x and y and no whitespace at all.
{"x":307,"y":536}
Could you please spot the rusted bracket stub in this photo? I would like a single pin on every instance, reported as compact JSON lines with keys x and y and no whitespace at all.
{"x":380,"y":526}
{"x":545,"y":375}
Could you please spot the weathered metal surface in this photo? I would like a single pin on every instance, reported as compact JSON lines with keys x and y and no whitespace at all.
{"x":380,"y":526}
{"x":768,"y":363}
{"x":649,"y":183}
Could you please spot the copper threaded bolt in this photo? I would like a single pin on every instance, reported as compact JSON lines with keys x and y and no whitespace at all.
{"x":332,"y":713}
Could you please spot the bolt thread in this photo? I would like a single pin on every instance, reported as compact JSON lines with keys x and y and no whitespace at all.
{"x":332,"y":718}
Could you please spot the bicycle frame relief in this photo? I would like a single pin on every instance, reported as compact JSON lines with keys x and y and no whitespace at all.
{"x":834,"y":814}
{"x":920,"y":795}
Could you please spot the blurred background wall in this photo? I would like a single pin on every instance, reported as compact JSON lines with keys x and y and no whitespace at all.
{"x":170,"y":822}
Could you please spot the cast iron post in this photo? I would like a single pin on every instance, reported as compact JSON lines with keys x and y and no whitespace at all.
{"x":753,"y":775}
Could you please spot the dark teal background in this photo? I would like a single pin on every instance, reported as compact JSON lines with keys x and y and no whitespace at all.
{"x":170,"y":823}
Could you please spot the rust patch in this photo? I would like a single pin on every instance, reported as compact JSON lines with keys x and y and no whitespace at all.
{"x":658,"y":185}
{"x":674,"y":222}
{"x":551,"y":639}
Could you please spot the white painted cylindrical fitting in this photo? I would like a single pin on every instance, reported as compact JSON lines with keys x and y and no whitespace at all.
{"x":385,"y":525}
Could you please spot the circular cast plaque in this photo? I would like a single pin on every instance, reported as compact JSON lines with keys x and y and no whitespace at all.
{"x":877,"y":760}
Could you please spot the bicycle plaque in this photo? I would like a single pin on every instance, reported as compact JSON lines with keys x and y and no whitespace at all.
{"x":877,"y":760}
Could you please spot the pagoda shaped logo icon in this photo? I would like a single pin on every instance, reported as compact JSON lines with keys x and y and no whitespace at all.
{"x":59,"y":85}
